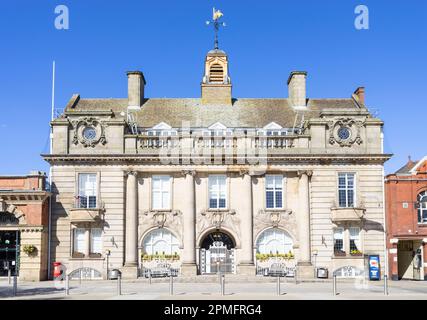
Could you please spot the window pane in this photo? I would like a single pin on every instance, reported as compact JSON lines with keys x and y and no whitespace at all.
{"x":96,"y":241}
{"x":269,"y":182}
{"x":342,"y":198}
{"x":350,"y":198}
{"x":87,"y":190}
{"x":279,"y":199}
{"x":161,"y":192}
{"x":338,"y":240}
{"x":213,"y":203}
{"x":222,"y":203}
{"x":79,"y":240}
{"x":270,"y":199}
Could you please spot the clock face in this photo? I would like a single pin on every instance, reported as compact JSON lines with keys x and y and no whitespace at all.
{"x":344,"y":133}
{"x":89,"y":133}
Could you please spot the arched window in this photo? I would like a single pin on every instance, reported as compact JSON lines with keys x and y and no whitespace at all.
{"x":422,"y":209}
{"x":161,"y":241}
{"x":274,"y":241}
{"x":216,"y":73}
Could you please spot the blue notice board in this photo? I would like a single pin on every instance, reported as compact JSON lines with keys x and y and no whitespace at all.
{"x":374,"y":268}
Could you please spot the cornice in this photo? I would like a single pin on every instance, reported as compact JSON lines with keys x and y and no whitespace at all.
{"x":273,"y":158}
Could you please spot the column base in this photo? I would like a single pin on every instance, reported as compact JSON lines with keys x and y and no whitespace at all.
{"x":246,"y":269}
{"x":129,"y":272}
{"x":189,"y":269}
{"x":305,"y":270}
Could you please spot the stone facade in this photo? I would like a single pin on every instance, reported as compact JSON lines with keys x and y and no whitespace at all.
{"x":24,"y":211}
{"x":127,"y":149}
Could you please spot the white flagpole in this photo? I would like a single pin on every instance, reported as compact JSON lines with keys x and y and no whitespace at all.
{"x":50,"y":172}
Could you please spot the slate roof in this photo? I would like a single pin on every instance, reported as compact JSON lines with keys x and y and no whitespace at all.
{"x":243,"y":113}
{"x":406,"y":168}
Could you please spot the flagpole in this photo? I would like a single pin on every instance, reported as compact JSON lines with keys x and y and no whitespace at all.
{"x":50,"y":173}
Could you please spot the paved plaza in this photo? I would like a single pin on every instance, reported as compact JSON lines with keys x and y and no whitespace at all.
{"x":257,"y":289}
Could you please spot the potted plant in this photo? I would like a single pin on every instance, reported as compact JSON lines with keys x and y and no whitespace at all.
{"x":356,"y":253}
{"x":339,"y":253}
{"x":30,"y":249}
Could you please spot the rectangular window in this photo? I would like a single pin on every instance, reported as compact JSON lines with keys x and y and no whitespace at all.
{"x":346,"y":190}
{"x":274,"y":191}
{"x":161,"y":192}
{"x":87,"y":190}
{"x":217,"y":192}
{"x":79,"y":240}
{"x":96,"y":240}
{"x":354,"y":240}
{"x":339,"y":241}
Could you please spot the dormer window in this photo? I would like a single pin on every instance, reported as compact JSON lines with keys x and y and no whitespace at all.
{"x":216,"y":73}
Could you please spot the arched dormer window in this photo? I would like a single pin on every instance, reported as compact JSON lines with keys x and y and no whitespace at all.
{"x":216,"y":73}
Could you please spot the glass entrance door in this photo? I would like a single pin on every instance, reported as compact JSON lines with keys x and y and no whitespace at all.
{"x":9,"y":253}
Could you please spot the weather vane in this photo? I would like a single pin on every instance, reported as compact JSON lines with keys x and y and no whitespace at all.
{"x":217,"y":15}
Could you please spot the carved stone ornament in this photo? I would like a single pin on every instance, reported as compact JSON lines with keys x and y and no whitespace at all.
{"x":345,"y":132}
{"x":219,"y":219}
{"x":273,"y":217}
{"x":161,"y":219}
{"x":89,"y":132}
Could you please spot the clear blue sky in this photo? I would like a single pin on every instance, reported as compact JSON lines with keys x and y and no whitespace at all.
{"x":168,"y":40}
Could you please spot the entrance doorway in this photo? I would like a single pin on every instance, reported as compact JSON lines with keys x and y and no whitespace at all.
{"x":9,"y":253}
{"x":410,"y":260}
{"x":217,"y":254}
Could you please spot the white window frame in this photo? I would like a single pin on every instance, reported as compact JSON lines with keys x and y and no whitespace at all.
{"x":347,"y":189}
{"x":76,"y":240}
{"x":160,"y":235}
{"x":422,"y":207}
{"x":162,"y":191}
{"x":342,"y":238}
{"x":92,"y":240}
{"x":87,"y":192}
{"x":355,"y":237}
{"x":218,"y":191}
{"x":275,"y":190}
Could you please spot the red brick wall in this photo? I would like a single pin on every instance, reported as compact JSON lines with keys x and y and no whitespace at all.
{"x":403,"y":222}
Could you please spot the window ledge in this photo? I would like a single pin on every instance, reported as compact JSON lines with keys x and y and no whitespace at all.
{"x":86,"y":259}
{"x":347,"y":214}
{"x":348,"y":256}
{"x":85,"y":214}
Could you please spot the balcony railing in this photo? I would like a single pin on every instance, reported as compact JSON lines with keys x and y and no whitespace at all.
{"x":268,"y":142}
{"x":86,"y":209}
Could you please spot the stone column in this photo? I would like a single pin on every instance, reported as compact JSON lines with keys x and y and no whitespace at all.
{"x":246,"y":265}
{"x":189,"y":267}
{"x":305,"y":269}
{"x":130,"y":269}
{"x":87,"y":241}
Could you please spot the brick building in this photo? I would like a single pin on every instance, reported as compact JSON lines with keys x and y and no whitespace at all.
{"x":24,"y":214}
{"x":406,"y":206}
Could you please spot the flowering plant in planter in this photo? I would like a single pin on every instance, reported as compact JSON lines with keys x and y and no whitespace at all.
{"x":356,"y":253}
{"x":30,"y":249}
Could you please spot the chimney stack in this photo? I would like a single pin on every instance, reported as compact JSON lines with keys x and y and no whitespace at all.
{"x":360,"y":94}
{"x":297,"y":89}
{"x":136,"y":85}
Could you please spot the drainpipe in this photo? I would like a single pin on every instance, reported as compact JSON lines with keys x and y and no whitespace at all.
{"x":386,"y":270}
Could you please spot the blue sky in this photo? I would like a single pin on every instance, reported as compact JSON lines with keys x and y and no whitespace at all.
{"x":168,"y":40}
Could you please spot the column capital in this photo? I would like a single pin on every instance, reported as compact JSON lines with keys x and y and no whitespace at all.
{"x":308,"y":173}
{"x":243,"y":172}
{"x":131,"y":173}
{"x":188,"y":172}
